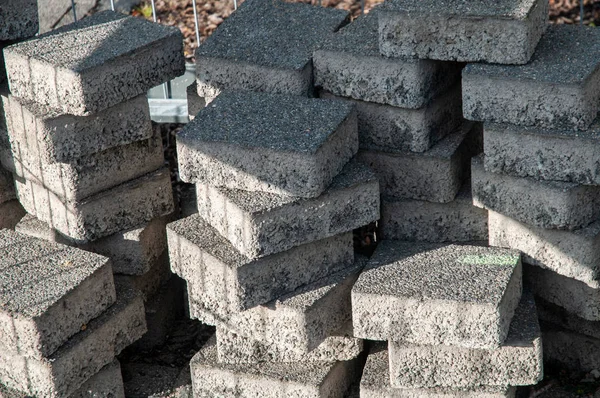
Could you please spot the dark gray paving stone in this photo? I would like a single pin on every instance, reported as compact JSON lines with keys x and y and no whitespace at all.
{"x":19,"y":19}
{"x":549,"y":313}
{"x":107,"y":383}
{"x":570,"y":350}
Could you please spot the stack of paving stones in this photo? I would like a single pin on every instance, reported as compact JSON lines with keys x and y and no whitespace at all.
{"x":63,"y":320}
{"x":88,"y":167}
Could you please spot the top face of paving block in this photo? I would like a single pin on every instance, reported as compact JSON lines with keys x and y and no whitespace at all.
{"x":506,"y":9}
{"x":19,"y":19}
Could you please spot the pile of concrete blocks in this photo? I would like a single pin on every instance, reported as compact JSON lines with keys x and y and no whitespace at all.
{"x":63,"y":320}
{"x":89,"y":168}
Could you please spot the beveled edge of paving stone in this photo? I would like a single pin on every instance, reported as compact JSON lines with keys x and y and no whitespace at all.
{"x":503,"y":9}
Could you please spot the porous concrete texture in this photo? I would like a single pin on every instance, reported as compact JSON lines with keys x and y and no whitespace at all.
{"x":95,"y":63}
{"x":19,"y":19}
{"x":503,"y":32}
{"x":150,"y":282}
{"x":64,"y":138}
{"x":435,"y":175}
{"x":224,"y":281}
{"x":576,"y":297}
{"x":419,"y":220}
{"x":559,"y":88}
{"x":392,"y":128}
{"x":84,"y":355}
{"x":517,"y":362}
{"x":348,"y":64}
{"x":543,"y":204}
{"x":560,"y":155}
{"x":425,"y":293}
{"x":549,"y":313}
{"x":570,"y":350}
{"x":107,"y":383}
{"x":121,"y":208}
{"x":265,"y":142}
{"x":259,"y":224}
{"x":210,"y":378}
{"x":11,"y":213}
{"x":573,"y":254}
{"x":195,"y":103}
{"x":266,"y":45}
{"x":47,"y":292}
{"x":375,"y":383}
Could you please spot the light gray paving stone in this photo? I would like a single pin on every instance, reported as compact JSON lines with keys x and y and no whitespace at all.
{"x":517,"y":362}
{"x":504,"y":32}
{"x":570,"y":350}
{"x":195,"y":102}
{"x":435,"y":175}
{"x":375,"y":383}
{"x":47,"y":292}
{"x":393,"y":128}
{"x":123,"y":207}
{"x":107,"y":383}
{"x":348,"y":64}
{"x":259,"y":224}
{"x":573,"y":254}
{"x":266,"y":45}
{"x":59,"y":137}
{"x":559,"y":155}
{"x":83,"y":355}
{"x":543,"y":204}
{"x":11,"y":213}
{"x":95,"y":63}
{"x":559,"y":88}
{"x":264,"y":142}
{"x":419,"y":220}
{"x":19,"y":19}
{"x":224,"y":281}
{"x":549,"y":313}
{"x":211,"y":378}
{"x":434,"y":294}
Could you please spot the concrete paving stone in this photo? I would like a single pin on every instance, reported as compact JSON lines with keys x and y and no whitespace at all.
{"x":542,"y":204}
{"x":570,"y":350}
{"x":19,"y":19}
{"x":150,"y":282}
{"x":66,"y":138}
{"x":11,"y":213}
{"x":195,"y":102}
{"x":7,"y":186}
{"x":435,"y":175}
{"x":273,"y":143}
{"x":266,"y":45}
{"x":503,"y":32}
{"x":150,"y":380}
{"x":259,"y":224}
{"x":576,"y":297}
{"x":559,"y":155}
{"x":549,"y":313}
{"x":224,"y":281}
{"x":121,"y":208}
{"x":84,"y":355}
{"x":573,"y":254}
{"x":47,"y":292}
{"x":348,"y":64}
{"x":98,"y":62}
{"x":375,"y":383}
{"x":416,"y":130}
{"x":419,"y":220}
{"x":426,"y":293}
{"x":188,"y":201}
{"x":558,"y":89}
{"x":107,"y":383}
{"x":210,"y":378}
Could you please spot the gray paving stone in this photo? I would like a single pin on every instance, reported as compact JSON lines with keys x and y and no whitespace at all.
{"x":224,"y":281}
{"x":504,"y":32}
{"x":436,"y":175}
{"x":150,"y":282}
{"x":121,"y":208}
{"x":188,"y":201}
{"x":19,"y":19}
{"x":95,"y":63}
{"x":573,"y":254}
{"x":266,"y":45}
{"x":107,"y":383}
{"x":7,"y":186}
{"x":65,"y":138}
{"x":549,"y":313}
{"x":11,"y":213}
{"x":375,"y":383}
{"x":269,"y":379}
{"x":47,"y":292}
{"x":419,"y":220}
{"x":393,"y":128}
{"x":259,"y":224}
{"x":559,"y":88}
{"x":348,"y":64}
{"x":433,"y":294}
{"x":570,"y":350}
{"x":543,"y":204}
{"x":84,"y":355}
{"x":560,"y":155}
{"x":268,"y":142}
{"x":518,"y":362}
{"x":195,"y":102}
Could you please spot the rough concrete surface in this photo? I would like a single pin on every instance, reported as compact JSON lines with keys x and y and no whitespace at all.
{"x":107,"y":383}
{"x":150,"y":282}
{"x":259,"y":224}
{"x":264,"y":142}
{"x":195,"y":102}
{"x":549,"y":313}
{"x":433,"y":294}
{"x":558,"y":89}
{"x":95,"y":63}
{"x":19,"y":19}
{"x":543,"y":204}
{"x":570,"y":350}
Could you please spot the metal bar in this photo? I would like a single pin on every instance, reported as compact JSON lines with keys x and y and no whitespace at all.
{"x":235,"y":4}
{"x":165,"y":87}
{"x":320,"y":3}
{"x":73,"y":7}
{"x":154,"y":11}
{"x":196,"y":23}
{"x":581,"y":12}
{"x":362,"y":6}
{"x":112,"y":5}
